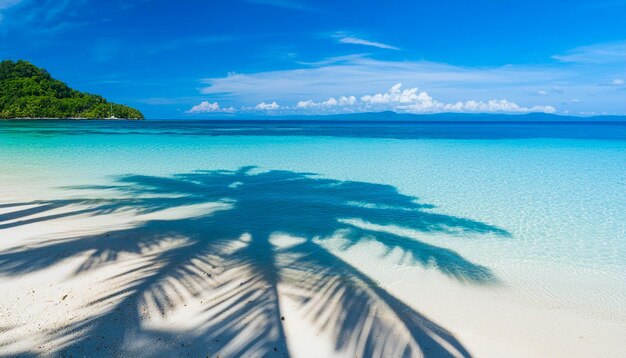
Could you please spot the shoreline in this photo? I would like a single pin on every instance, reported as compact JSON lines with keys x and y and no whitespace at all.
{"x":70,"y":119}
{"x":134,"y":245}
{"x":72,"y":293}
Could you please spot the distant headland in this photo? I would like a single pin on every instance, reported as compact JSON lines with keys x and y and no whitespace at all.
{"x":27,"y":91}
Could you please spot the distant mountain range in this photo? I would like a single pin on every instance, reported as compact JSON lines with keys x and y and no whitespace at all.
{"x":441,"y":117}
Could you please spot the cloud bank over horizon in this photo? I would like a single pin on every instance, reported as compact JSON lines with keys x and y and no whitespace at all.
{"x":353,"y":83}
{"x":409,"y":100}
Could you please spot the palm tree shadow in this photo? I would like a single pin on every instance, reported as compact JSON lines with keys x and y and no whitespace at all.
{"x":231,"y":254}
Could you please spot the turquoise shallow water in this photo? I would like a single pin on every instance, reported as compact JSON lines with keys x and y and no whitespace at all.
{"x":551,"y":197}
{"x":562,"y":199}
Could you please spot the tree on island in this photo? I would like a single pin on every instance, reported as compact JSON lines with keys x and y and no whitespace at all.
{"x":27,"y":91}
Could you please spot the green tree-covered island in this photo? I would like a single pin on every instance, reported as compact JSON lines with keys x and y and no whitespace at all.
{"x":27,"y":91}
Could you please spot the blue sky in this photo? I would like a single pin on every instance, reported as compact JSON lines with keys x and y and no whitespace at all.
{"x":197,"y":59}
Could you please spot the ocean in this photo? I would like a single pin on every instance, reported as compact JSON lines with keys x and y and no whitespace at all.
{"x":507,"y":234}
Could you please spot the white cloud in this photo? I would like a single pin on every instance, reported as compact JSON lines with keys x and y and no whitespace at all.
{"x":396,"y":95}
{"x":307,"y":104}
{"x":331,"y":102}
{"x":360,"y":76}
{"x":267,"y":106}
{"x":495,"y":106}
{"x":542,"y":92}
{"x":347,"y":101}
{"x":411,"y":100}
{"x":357,"y":41}
{"x":617,"y":82}
{"x":604,"y":53}
{"x":207,"y":107}
{"x":414,"y":101}
{"x":490,"y":106}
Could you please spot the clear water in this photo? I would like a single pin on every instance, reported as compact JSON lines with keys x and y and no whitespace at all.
{"x":538,"y":207}
{"x":558,"y":188}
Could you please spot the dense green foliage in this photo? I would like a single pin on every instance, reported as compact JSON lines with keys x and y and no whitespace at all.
{"x":27,"y":91}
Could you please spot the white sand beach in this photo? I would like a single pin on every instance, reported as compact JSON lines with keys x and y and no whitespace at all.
{"x":81,"y":277}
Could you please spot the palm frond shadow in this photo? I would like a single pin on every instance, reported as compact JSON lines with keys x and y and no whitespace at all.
{"x":230,"y":255}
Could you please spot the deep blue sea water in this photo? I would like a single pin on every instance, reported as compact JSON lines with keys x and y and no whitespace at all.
{"x":358,"y":129}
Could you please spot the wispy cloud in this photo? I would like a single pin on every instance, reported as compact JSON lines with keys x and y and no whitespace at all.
{"x":287,"y":4}
{"x":605,"y":53}
{"x":348,"y":39}
{"x":512,"y":87}
{"x":360,"y":76}
{"x":39,"y":17}
{"x":107,"y":49}
{"x":6,"y":4}
{"x":46,"y":12}
{"x":336,"y":60}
